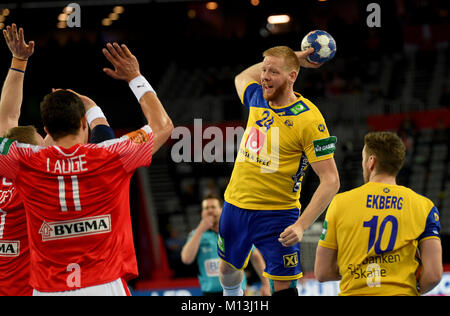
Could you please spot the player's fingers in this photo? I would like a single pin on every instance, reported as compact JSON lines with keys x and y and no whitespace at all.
{"x":21,"y":36}
{"x":31,"y":45}
{"x":289,"y":240}
{"x":112,"y":51}
{"x":305,"y":53}
{"x":10,"y":33}
{"x":108,"y":56}
{"x":111,"y":73}
{"x":15,"y":36}
{"x":126,"y":51}
{"x":119,"y":50}
{"x":5,"y":35}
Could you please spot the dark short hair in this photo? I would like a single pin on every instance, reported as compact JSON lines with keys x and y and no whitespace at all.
{"x":389,"y":150}
{"x":61,"y":113}
{"x":213,"y":196}
{"x":23,"y":134}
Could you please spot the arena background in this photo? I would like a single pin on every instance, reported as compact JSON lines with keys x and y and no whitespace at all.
{"x":394,"y":77}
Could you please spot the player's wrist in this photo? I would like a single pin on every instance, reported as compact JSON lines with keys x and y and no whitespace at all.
{"x":94,"y":113}
{"x":18,"y":64}
{"x":139,"y":85}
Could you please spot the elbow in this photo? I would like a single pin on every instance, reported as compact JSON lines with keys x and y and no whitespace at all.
{"x":167,"y":129}
{"x":187,"y":260}
{"x":334,"y":182}
{"x":337,"y":184}
{"x":320,"y":276}
{"x":435,"y":277}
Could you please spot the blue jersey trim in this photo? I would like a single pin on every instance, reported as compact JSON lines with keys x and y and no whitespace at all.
{"x":253,"y":97}
{"x":432,"y":226}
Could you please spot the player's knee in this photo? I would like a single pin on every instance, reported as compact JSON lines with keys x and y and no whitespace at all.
{"x":226,"y":269}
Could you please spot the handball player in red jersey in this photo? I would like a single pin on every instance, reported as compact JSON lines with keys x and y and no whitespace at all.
{"x":78,"y":213}
{"x":14,"y":249}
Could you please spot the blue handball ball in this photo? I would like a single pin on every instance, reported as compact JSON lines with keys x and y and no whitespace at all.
{"x":324,"y":46}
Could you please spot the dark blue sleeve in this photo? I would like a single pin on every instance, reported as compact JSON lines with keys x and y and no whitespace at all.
{"x":251,"y":93}
{"x":100,"y":133}
{"x":432,"y":226}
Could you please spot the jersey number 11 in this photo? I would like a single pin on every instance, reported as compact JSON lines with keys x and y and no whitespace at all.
{"x":75,"y":193}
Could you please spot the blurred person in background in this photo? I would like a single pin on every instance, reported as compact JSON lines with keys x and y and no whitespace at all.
{"x":201,"y":246}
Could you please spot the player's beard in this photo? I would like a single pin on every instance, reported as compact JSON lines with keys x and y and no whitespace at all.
{"x":277,"y":92}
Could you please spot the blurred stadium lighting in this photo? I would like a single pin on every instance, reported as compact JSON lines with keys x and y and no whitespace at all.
{"x":212,"y":5}
{"x":118,"y":9}
{"x":106,"y":22}
{"x":113,"y":16}
{"x":279,"y":19}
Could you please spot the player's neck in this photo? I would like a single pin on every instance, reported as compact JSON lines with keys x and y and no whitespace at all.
{"x":283,"y":100}
{"x":70,"y":141}
{"x":382,"y":178}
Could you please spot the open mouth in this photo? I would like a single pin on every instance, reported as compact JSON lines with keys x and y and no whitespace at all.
{"x":267,"y":87}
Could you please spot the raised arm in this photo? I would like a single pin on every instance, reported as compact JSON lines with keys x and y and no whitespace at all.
{"x":253,"y":73}
{"x":127,"y":68}
{"x":11,"y":98}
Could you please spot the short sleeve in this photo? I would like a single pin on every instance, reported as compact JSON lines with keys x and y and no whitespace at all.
{"x":9,"y":158}
{"x":432,"y":225}
{"x":100,"y":133}
{"x":251,"y":92}
{"x":317,"y":143}
{"x":134,"y":149}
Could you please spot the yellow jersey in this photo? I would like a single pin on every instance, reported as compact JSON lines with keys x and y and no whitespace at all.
{"x":376,"y":229}
{"x":275,"y":150}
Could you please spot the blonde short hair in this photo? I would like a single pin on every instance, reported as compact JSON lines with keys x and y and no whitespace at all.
{"x":23,"y":134}
{"x":291,"y":61}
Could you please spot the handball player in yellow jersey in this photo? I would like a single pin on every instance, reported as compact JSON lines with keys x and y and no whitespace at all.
{"x":381,"y":238}
{"x":285,"y":133}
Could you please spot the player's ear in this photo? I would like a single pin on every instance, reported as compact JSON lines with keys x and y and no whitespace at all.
{"x":372,"y":162}
{"x":84,"y":123}
{"x":293,"y":76}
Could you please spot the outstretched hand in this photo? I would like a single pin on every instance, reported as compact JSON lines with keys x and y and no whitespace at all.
{"x":16,"y":42}
{"x":303,"y":58}
{"x":126,"y":66}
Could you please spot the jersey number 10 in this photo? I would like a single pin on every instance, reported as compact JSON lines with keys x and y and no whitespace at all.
{"x":373,"y":224}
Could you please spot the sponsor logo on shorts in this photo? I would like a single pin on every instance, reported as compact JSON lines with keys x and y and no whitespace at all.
{"x":75,"y":228}
{"x":291,"y":260}
{"x":221,"y":244}
{"x":9,"y":248}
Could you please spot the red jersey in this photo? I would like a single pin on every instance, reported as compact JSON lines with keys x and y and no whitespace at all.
{"x":14,"y":250}
{"x":77,"y":206}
